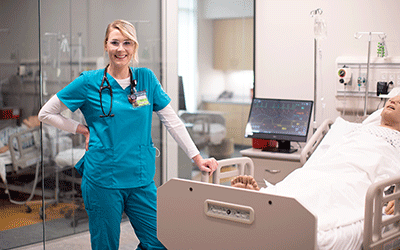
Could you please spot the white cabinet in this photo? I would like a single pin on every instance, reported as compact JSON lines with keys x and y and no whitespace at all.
{"x":273,"y":167}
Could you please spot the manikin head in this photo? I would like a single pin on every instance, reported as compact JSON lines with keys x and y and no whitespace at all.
{"x":390,"y":116}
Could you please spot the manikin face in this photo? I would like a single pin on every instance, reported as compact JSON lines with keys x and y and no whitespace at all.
{"x":391,"y":112}
{"x":120,"y":49}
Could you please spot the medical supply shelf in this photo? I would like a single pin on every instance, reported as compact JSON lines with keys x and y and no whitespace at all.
{"x":273,"y":167}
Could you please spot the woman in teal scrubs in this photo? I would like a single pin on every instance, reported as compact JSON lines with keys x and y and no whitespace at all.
{"x":119,"y":165}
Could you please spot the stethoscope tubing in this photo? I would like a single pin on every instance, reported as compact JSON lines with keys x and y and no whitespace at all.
{"x":108,"y":86}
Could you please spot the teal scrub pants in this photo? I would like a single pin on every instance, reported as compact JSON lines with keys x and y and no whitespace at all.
{"x":105,"y":207}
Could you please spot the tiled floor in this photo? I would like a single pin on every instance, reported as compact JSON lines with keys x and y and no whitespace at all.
{"x":128,"y":240}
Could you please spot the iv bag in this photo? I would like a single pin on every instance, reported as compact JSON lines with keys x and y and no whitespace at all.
{"x":320,"y":31}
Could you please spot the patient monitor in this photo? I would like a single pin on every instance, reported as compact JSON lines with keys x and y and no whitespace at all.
{"x":281,"y":120}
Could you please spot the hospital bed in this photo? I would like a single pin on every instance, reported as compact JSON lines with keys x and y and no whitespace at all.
{"x":202,"y":215}
{"x":20,"y":166}
{"x":22,"y":160}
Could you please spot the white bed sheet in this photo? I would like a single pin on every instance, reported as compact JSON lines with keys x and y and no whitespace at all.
{"x":338,"y":200}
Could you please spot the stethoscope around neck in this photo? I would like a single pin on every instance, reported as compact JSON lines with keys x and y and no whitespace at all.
{"x":131,"y":97}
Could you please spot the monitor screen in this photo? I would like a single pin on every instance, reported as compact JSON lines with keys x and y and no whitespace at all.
{"x":279,"y":119}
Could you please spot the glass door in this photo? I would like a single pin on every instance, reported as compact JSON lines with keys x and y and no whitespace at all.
{"x":42,"y":50}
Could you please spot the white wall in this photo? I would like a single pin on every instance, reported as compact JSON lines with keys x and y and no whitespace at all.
{"x":284,"y":49}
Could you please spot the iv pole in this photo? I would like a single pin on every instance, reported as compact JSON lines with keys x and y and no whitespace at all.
{"x":312,"y":14}
{"x":358,"y":35}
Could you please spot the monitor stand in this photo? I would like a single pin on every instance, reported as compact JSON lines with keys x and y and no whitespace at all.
{"x":283,"y":147}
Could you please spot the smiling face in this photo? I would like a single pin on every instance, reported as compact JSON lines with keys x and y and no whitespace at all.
{"x":391,"y":113}
{"x":121,"y":43}
{"x":120,"y":49}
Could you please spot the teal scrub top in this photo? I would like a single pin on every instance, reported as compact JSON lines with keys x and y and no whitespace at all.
{"x":121,"y":152}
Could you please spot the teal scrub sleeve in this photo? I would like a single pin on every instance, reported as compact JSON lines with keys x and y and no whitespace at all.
{"x":74,"y":94}
{"x":160,"y":98}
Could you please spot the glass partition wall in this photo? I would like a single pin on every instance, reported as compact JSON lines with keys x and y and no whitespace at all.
{"x":215,"y":65}
{"x":45,"y":44}
{"x":23,"y":183}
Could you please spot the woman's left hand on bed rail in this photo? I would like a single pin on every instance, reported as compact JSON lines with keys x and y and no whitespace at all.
{"x":207,"y":165}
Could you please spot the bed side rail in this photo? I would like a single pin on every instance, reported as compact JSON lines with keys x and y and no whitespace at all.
{"x":244,"y":166}
{"x":314,"y":141}
{"x":380,"y":231}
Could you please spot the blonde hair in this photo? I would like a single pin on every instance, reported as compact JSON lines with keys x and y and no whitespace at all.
{"x":127,"y":29}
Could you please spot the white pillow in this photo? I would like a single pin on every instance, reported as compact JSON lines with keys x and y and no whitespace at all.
{"x":374,"y":118}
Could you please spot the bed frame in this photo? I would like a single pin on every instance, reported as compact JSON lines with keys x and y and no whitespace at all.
{"x":201,"y":215}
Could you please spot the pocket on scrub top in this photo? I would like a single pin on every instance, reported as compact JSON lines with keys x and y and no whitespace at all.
{"x":148,"y":160}
{"x":99,"y":163}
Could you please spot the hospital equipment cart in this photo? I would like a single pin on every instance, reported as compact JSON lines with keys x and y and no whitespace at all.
{"x":271,"y":166}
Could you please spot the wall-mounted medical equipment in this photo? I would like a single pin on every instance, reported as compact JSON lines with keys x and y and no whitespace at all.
{"x":383,"y":75}
{"x":382,"y":88}
{"x":344,"y":75}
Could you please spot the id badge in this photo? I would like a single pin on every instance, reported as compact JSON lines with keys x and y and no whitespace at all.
{"x":139,"y":99}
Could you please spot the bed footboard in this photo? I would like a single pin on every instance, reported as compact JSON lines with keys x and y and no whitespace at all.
{"x":199,"y":215}
{"x":382,"y":231}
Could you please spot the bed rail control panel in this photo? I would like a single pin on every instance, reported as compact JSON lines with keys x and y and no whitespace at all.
{"x":229,"y":211}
